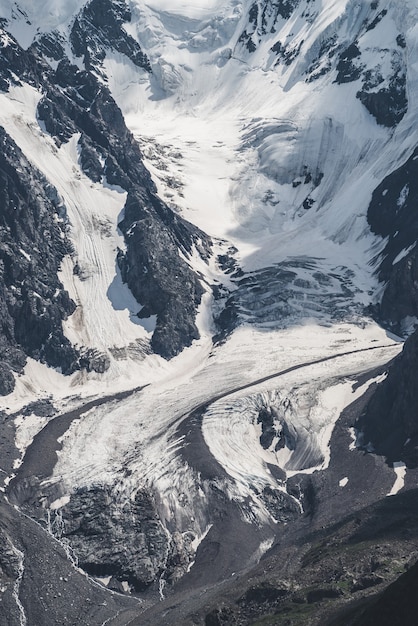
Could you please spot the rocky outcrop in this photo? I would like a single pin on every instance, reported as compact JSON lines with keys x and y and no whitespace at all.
{"x":383,"y":87}
{"x":348,"y":70}
{"x":39,"y":583}
{"x":389,"y":425}
{"x":33,"y":302}
{"x":75,"y":101}
{"x":338,"y":579}
{"x":18,"y":65}
{"x":99,"y":28}
{"x":398,"y":604}
{"x":388,"y":104}
{"x":262,"y":19}
{"x":121,"y":539}
{"x":157,"y":275}
{"x":147,"y":267}
{"x":392,"y":214}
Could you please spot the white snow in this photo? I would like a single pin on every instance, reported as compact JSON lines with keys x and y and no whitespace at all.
{"x":310,"y":408}
{"x":343,"y":482}
{"x":105,"y":318}
{"x":26,"y":428}
{"x":138,"y":433}
{"x":400,"y":470}
{"x":403,"y":253}
{"x":27,"y":18}
{"x":191,"y":9}
{"x":59,"y":502}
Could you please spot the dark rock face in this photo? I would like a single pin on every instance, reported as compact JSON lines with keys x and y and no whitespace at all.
{"x":280,"y":505}
{"x":147,"y":268}
{"x":17,"y":65}
{"x":152,"y":267}
{"x":390,"y":421}
{"x":262,"y":19}
{"x":398,"y":604}
{"x":75,"y":101}
{"x":33,"y":302}
{"x":347,"y":70}
{"x":98,"y":28}
{"x":389,"y":104}
{"x":126,"y":541}
{"x":273,"y":427}
{"x":340,"y":571}
{"x":383,"y":90}
{"x":50,"y":45}
{"x":41,"y":586}
{"x":392,"y":214}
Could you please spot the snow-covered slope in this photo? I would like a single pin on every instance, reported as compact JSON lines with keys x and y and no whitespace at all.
{"x":222,"y":265}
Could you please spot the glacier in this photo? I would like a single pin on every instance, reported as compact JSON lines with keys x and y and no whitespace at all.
{"x":260,"y":127}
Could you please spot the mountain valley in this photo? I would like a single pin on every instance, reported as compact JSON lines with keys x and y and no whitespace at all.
{"x":209,"y":302}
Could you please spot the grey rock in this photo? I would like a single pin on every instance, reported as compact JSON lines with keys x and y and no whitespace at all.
{"x":124,"y":540}
{"x":392,"y":214}
{"x":98,"y":28}
{"x":390,"y":421}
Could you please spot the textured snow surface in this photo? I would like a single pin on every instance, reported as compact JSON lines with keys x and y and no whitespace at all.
{"x":28,"y":18}
{"x":139,"y":433}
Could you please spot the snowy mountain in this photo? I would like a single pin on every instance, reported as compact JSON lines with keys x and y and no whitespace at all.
{"x":208,"y":269}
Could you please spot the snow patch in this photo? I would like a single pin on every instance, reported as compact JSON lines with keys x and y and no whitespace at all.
{"x":400,"y":470}
{"x":60,"y":502}
{"x":403,"y":253}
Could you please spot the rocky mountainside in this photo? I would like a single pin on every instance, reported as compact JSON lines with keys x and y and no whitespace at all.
{"x":208,"y":273}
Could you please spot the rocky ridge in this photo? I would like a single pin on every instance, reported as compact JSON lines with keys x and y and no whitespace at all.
{"x":76,"y":101}
{"x":33,"y":242}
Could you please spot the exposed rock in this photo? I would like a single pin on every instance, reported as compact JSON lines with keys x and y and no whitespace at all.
{"x":389,"y":104}
{"x":266,"y":592}
{"x":41,"y":408}
{"x":7,"y":380}
{"x":398,"y":604}
{"x":18,"y":65}
{"x":98,"y":28}
{"x":282,"y":507}
{"x":50,"y":45}
{"x":41,"y":586}
{"x":125,"y":540}
{"x":90,"y":161}
{"x":392,"y":214}
{"x":152,"y":267}
{"x":365,"y":582}
{"x":262,"y":19}
{"x":390,"y":421}
{"x":322,"y":593}
{"x":32,"y":246}
{"x":75,"y":101}
{"x":348,"y":71}
{"x":222,"y":617}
